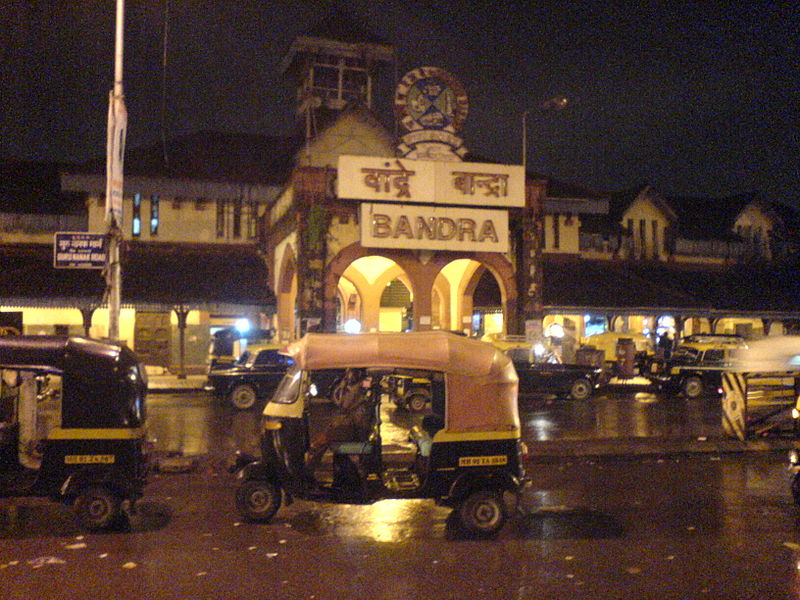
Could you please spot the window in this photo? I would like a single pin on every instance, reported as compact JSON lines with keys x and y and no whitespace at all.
{"x":237,"y":218}
{"x":654,"y":224}
{"x":556,"y":231}
{"x":642,"y":238}
{"x":154,"y":214}
{"x":136,"y":221}
{"x":252,"y":219}
{"x":220,"y":218}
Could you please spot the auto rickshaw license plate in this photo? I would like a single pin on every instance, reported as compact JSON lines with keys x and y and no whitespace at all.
{"x":88,"y":459}
{"x":482,"y":461}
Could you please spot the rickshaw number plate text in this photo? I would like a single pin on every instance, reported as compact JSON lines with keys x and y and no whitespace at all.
{"x":482,"y":461}
{"x":88,"y":459}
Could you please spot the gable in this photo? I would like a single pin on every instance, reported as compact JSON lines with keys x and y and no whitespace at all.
{"x":643,"y":207}
{"x":353,"y":132}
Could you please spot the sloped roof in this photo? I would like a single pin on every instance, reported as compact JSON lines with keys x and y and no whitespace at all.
{"x":33,"y":187}
{"x":339,"y":31}
{"x":663,"y":287}
{"x":203,"y":276}
{"x":703,"y":218}
{"x":211,"y":156}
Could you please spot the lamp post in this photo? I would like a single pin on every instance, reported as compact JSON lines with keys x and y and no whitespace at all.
{"x":553,"y":104}
{"x":532,"y":236}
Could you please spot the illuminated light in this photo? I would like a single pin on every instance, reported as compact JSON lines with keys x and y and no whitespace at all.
{"x":312,"y":389}
{"x":538,"y":350}
{"x":556,"y":330}
{"x":352,"y":326}
{"x":795,"y":413}
{"x":242,"y":325}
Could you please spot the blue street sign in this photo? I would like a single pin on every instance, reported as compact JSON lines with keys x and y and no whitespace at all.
{"x":79,"y":250}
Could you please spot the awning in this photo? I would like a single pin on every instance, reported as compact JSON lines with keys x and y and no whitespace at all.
{"x":155,"y":276}
{"x":630,"y":287}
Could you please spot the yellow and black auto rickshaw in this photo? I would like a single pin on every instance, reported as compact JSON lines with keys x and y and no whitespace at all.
{"x":465,"y":453}
{"x":72,"y":414}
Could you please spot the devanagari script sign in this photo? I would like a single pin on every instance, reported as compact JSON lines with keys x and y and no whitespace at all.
{"x":434,"y":182}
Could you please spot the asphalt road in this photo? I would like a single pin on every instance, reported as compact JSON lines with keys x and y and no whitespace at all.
{"x":692,"y":526}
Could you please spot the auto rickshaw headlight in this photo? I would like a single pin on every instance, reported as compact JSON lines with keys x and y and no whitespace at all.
{"x":312,"y":389}
{"x":794,"y":457}
{"x":271,"y":425}
{"x":795,"y":413}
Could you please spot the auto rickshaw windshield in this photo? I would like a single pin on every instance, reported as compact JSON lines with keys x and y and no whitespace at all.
{"x":290,"y":387}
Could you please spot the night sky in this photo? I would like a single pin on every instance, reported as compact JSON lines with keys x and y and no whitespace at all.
{"x":694,"y":98}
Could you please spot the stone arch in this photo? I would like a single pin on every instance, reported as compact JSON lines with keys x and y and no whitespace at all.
{"x":286,"y":295}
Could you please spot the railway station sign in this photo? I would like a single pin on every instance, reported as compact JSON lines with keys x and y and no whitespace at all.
{"x":431,"y":182}
{"x":433,"y":228}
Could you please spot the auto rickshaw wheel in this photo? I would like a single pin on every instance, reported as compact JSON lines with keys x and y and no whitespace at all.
{"x":97,"y":507}
{"x":243,"y":396}
{"x":581,"y":389}
{"x":482,"y":512}
{"x":258,"y":500}
{"x":693,"y":387}
{"x":417,"y":402}
{"x":796,"y":489}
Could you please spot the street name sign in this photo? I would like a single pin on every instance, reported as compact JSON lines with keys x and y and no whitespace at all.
{"x":73,"y":250}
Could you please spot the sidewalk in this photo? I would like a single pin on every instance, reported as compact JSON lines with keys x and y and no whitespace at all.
{"x":167,"y":382}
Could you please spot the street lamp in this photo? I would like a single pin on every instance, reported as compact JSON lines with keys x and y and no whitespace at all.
{"x":553,"y":104}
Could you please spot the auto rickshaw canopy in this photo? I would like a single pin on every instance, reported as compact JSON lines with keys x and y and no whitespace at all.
{"x":101,"y":381}
{"x":481,"y":383}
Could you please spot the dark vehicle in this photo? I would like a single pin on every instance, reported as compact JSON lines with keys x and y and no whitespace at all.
{"x":253,"y":377}
{"x":697,"y":364}
{"x":72,"y":416}
{"x":465,"y":455}
{"x":409,"y":392}
{"x":549,"y":376}
{"x":226,"y":345}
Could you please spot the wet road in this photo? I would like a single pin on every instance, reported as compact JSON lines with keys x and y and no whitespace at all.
{"x":704,"y":526}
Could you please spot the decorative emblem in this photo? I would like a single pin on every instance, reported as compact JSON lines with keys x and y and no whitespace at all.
{"x":431,"y":105}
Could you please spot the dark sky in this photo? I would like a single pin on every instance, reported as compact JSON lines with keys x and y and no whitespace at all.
{"x":695,"y":98}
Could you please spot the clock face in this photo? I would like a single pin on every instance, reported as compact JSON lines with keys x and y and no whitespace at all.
{"x":430,"y":98}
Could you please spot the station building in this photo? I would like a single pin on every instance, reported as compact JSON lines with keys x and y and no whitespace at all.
{"x":357,"y":222}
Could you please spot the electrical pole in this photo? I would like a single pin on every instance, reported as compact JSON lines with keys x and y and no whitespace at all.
{"x":117,"y":125}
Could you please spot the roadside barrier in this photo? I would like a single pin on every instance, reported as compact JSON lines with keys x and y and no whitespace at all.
{"x":757,"y":404}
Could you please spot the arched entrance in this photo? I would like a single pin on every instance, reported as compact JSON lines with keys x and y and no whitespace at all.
{"x":375,"y":292}
{"x":287,"y":296}
{"x":441,"y":287}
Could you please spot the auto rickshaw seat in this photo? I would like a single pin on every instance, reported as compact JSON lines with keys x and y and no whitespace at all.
{"x":422,"y":439}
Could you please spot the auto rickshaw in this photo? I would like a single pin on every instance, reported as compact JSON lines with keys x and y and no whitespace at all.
{"x":465,"y":454}
{"x":72,"y":414}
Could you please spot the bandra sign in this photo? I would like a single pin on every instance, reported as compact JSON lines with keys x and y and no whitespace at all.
{"x":431,"y":182}
{"x":433,"y":228}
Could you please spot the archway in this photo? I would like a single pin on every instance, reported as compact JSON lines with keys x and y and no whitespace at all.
{"x":287,"y":296}
{"x":478,"y":297}
{"x":379,"y":295}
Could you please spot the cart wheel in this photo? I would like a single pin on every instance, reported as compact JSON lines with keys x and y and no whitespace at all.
{"x":258,"y":500}
{"x":693,"y":387}
{"x":796,"y":489}
{"x":417,"y":402}
{"x":243,"y":396}
{"x":581,"y":389}
{"x":97,"y":507}
{"x":483,"y":512}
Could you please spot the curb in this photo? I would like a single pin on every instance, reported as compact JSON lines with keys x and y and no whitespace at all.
{"x":655,"y":447}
